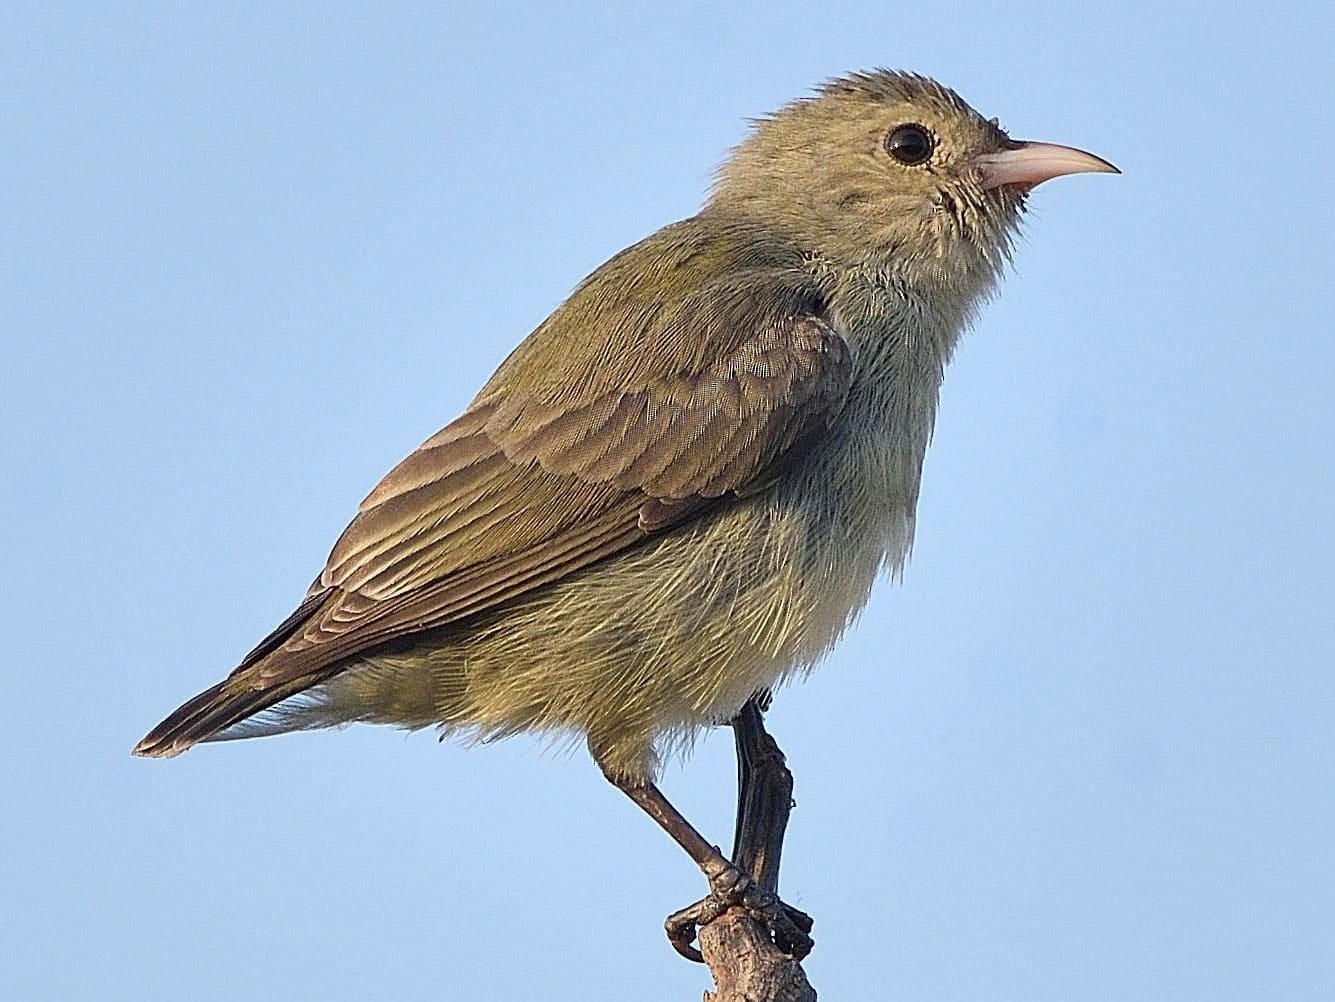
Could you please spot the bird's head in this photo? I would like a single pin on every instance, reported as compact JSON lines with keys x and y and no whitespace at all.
{"x":894,"y":171}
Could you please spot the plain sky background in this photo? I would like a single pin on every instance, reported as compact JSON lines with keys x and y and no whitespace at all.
{"x":253,"y":255}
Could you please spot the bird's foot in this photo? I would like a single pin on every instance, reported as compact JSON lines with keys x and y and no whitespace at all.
{"x":729,"y":888}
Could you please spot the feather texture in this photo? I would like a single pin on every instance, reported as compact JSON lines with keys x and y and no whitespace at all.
{"x":597,"y":433}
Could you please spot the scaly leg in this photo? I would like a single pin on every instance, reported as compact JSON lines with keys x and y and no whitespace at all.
{"x":764,"y":800}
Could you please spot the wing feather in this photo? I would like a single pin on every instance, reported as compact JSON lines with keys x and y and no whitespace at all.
{"x":620,"y":417}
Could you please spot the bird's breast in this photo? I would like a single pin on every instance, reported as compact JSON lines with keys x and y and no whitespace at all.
{"x":848,"y":515}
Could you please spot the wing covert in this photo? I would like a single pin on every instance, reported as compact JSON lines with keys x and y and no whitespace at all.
{"x":573,"y":452}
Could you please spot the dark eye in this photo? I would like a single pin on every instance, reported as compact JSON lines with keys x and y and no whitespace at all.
{"x":910,"y":145}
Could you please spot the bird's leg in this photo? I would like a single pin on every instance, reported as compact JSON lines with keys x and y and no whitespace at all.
{"x":728,"y":885}
{"x":764,"y":800}
{"x":764,"y":797}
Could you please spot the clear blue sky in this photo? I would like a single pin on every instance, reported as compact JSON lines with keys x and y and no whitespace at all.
{"x":252,"y":256}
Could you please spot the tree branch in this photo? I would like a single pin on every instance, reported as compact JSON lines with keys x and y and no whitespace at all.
{"x":747,"y":966}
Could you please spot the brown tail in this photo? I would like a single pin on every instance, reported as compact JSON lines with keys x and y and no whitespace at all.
{"x":234,"y":698}
{"x":214,"y":709}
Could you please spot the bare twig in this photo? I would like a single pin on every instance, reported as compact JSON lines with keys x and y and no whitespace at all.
{"x":747,"y":966}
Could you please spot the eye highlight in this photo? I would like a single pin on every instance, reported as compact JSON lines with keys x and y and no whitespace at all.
{"x":910,"y":144}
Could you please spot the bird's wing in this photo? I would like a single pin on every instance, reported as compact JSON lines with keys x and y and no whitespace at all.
{"x":621,"y":416}
{"x":687,"y":370}
{"x":507,"y":499}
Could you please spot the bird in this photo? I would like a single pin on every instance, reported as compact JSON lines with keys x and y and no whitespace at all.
{"x":678,"y":491}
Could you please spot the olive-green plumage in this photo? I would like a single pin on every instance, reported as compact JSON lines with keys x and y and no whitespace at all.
{"x":680,"y":488}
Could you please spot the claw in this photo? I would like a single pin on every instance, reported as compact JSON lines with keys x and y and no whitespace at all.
{"x":681,"y":927}
{"x":730,"y":888}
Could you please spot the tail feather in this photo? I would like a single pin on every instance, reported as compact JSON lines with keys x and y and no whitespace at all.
{"x":234,"y":698}
{"x":214,"y":709}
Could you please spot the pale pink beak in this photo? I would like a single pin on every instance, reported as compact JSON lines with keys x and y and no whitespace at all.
{"x":1029,"y":164}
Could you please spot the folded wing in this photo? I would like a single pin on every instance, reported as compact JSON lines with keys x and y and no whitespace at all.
{"x":597,"y":433}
